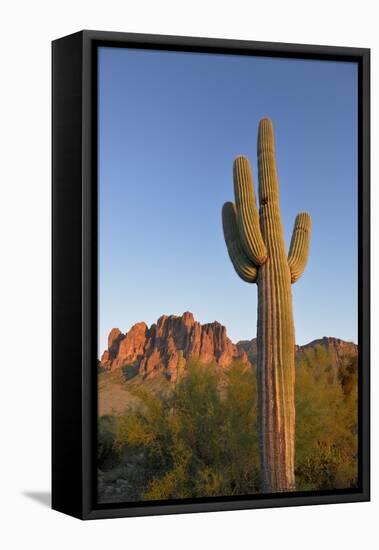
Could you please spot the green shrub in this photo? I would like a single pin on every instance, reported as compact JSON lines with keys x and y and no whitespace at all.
{"x":197,"y":443}
{"x":326,"y":431}
{"x":106,"y":432}
{"x":202,"y":440}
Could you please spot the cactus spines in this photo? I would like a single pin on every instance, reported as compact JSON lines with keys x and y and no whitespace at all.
{"x":257,"y":250}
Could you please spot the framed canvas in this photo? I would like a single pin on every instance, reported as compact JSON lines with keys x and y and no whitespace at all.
{"x":210,"y":275}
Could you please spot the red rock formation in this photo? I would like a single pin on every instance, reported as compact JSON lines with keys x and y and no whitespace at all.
{"x":171,"y":341}
{"x":114,"y":339}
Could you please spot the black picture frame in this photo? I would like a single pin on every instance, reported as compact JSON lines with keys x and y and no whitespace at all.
{"x":74,"y":271}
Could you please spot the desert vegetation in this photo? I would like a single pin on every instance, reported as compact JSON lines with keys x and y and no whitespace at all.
{"x":199,"y":436}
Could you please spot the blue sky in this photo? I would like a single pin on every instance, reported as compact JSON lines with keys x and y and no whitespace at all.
{"x":170,"y":125}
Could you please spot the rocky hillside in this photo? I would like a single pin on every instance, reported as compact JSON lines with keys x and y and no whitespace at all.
{"x":166,"y":347}
{"x":334,"y":348}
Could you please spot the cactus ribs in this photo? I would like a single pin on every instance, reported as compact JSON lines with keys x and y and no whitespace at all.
{"x":257,"y":250}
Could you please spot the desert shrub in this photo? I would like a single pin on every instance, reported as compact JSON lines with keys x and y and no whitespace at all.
{"x":202,"y":438}
{"x":106,"y":432}
{"x":348,"y":375}
{"x":240,"y":447}
{"x":196,"y":443}
{"x":326,"y":431}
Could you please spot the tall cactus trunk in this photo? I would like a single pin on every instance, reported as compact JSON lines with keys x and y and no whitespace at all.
{"x":257,"y":250}
{"x":276,"y":377}
{"x":275,"y":334}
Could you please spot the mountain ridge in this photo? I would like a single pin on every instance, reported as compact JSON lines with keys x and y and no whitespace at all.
{"x":167,"y":345}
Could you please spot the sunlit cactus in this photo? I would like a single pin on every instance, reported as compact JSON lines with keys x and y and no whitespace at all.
{"x":257,"y":250}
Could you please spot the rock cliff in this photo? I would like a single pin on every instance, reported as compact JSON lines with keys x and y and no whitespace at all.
{"x":166,"y":346}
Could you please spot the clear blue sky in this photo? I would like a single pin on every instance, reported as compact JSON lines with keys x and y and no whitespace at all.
{"x":170,"y":125}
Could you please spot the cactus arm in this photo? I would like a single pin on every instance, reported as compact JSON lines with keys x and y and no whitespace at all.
{"x":241,"y":263}
{"x":299,"y":248}
{"x":247,"y":213}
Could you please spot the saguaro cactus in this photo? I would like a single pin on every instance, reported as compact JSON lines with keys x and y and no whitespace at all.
{"x":256,"y":247}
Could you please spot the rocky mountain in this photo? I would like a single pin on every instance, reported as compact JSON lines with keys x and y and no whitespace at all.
{"x":250,"y":348}
{"x":166,"y":347}
{"x":337,"y":350}
{"x":334,"y":348}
